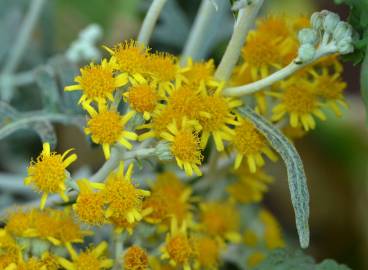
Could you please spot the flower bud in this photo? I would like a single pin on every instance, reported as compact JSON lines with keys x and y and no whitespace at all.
{"x":306,"y":52}
{"x":345,"y":46}
{"x":308,"y":36}
{"x":342,"y":30}
{"x":330,"y":22}
{"x":316,"y":20}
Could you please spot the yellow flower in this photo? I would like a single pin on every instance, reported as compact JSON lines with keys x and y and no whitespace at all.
{"x":107,"y":128}
{"x":129,"y":57}
{"x":248,"y":142}
{"x":250,"y":187}
{"x":164,"y":70}
{"x":300,"y":102}
{"x":169,"y":198}
{"x":91,"y":259}
{"x":330,"y":88}
{"x":89,"y":206}
{"x":207,"y":252}
{"x":265,"y":53}
{"x":97,"y":82}
{"x":221,"y":220}
{"x":218,"y":118}
{"x":185,"y":145}
{"x":178,"y":247}
{"x":250,"y":238}
{"x":135,"y":258}
{"x":255,"y":259}
{"x":199,"y":74}
{"x":142,"y":96}
{"x":123,"y":198}
{"x":272,"y":232}
{"x":48,"y":174}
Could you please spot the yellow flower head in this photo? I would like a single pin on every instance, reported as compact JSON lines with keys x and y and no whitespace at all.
{"x":217,"y":119}
{"x":255,"y":259}
{"x":185,"y":145}
{"x":248,"y":142}
{"x":199,"y":74}
{"x":91,"y":259}
{"x":207,"y":252}
{"x":272,"y":232}
{"x":162,"y":67}
{"x":177,"y":247}
{"x":330,"y":88}
{"x":265,"y":55}
{"x":89,"y":206}
{"x":299,"y":101}
{"x":47,"y":173}
{"x":123,"y":198}
{"x":135,"y":258}
{"x":170,"y":198}
{"x":129,"y":57}
{"x":97,"y":82}
{"x":220,"y":219}
{"x":107,"y":128}
{"x":250,"y":187}
{"x":142,"y":96}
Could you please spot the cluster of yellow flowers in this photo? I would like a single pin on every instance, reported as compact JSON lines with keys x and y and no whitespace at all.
{"x":139,"y":95}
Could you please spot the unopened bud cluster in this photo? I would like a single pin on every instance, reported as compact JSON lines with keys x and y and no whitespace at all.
{"x":327,"y":30}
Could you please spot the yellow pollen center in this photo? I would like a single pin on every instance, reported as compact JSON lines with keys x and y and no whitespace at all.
{"x":97,"y":81}
{"x":247,"y":139}
{"x":130,"y":57}
{"x":135,"y":259}
{"x":106,"y":127}
{"x":207,"y":250}
{"x":122,"y":195}
{"x":142,"y":98}
{"x":89,"y":208}
{"x":87,"y":261}
{"x":179,"y":248}
{"x":217,"y":107}
{"x":48,"y":173}
{"x":299,"y":100}
{"x":186,"y":146}
{"x":199,"y":72}
{"x":162,"y":66}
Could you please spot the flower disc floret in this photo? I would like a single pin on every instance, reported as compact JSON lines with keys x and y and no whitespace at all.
{"x":300,"y":102}
{"x":48,"y":174}
{"x":250,"y":143}
{"x":135,"y":258}
{"x":107,"y":128}
{"x":123,"y":198}
{"x":98,"y":82}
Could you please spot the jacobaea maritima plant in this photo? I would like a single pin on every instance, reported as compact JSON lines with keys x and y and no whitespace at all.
{"x":207,"y":131}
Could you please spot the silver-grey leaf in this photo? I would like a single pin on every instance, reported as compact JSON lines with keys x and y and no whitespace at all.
{"x":50,"y":93}
{"x":296,"y":176}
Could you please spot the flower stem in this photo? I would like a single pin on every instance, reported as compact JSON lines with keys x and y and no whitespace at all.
{"x":150,"y":21}
{"x":197,"y":33}
{"x":244,"y":21}
{"x":25,"y":32}
{"x":276,"y":76}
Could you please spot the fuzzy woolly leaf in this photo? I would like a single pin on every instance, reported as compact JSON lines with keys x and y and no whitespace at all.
{"x":7,"y":113}
{"x":296,"y":176}
{"x":50,"y":92}
{"x":46,"y":132}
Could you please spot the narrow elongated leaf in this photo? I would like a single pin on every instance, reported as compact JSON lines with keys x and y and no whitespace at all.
{"x":29,"y":120}
{"x":296,"y":176}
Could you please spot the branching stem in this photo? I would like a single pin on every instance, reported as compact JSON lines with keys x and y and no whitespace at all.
{"x":150,"y":21}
